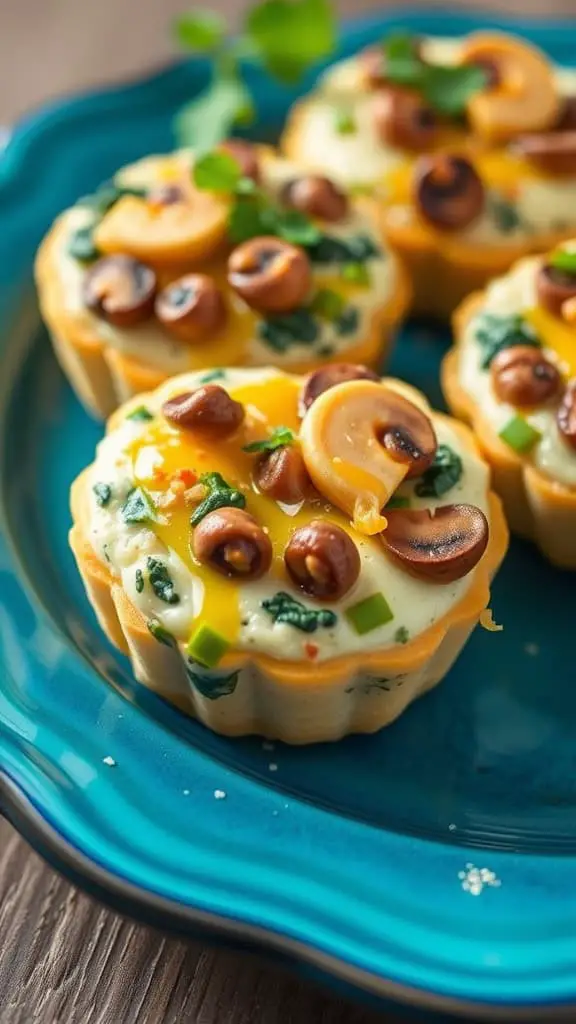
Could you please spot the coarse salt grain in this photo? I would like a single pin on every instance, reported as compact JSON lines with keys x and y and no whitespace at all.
{"x":219,"y":794}
{"x":109,"y":761}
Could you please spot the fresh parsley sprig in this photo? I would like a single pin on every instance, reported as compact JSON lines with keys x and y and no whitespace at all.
{"x":446,"y":88}
{"x":286,"y":37}
{"x":279,"y":437}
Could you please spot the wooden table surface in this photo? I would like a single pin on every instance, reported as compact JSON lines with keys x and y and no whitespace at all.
{"x":64,"y":959}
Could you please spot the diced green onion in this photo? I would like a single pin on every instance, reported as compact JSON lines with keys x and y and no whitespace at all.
{"x":519,"y":434}
{"x":356,"y":273}
{"x":369,"y":614}
{"x":140,"y":414}
{"x":206,"y":646}
{"x":327,"y":304}
{"x":344,"y":122}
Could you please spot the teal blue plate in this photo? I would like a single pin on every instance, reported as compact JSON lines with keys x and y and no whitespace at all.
{"x":435,"y":862}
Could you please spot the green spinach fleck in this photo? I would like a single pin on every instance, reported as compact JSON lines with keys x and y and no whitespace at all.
{"x":160,"y":634}
{"x":279,"y":437}
{"x":495,"y":333}
{"x":442,"y":475}
{"x":139,"y":581}
{"x":329,"y":249}
{"x":504,"y":214}
{"x":401,"y":636}
{"x":282,"y":331}
{"x":219,"y":495}
{"x":207,"y":378}
{"x":138,"y":507}
{"x":348,"y":321}
{"x":212,"y":687}
{"x":161,"y":581}
{"x":284,"y":608}
{"x":81,"y":245}
{"x":103,"y":494}
{"x":140,"y":414}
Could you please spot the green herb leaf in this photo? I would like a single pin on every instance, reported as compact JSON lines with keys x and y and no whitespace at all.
{"x":369,"y":614}
{"x":160,"y":634}
{"x":213,"y":687}
{"x":279,"y":437}
{"x":139,"y":581}
{"x":329,"y":249}
{"x":348,"y":321}
{"x":217,"y":172}
{"x":285,"y":330}
{"x":220,"y":495}
{"x":495,"y":333}
{"x":140,"y":414}
{"x":207,"y":378}
{"x":401,"y":636}
{"x":294,"y":226}
{"x":344,"y":122}
{"x":161,"y":581}
{"x":284,"y":608}
{"x":398,"y":501}
{"x":138,"y":507}
{"x":103,"y":494}
{"x":563,"y":259}
{"x":291,"y":35}
{"x":81,"y":244}
{"x":206,"y":121}
{"x":200,"y":30}
{"x":327,"y":304}
{"x":206,"y":646}
{"x":442,"y":475}
{"x":448,"y":89}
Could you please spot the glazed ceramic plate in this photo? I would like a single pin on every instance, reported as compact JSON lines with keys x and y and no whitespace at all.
{"x":434,"y":862}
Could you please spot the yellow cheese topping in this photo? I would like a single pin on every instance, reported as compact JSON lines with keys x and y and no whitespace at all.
{"x":163,"y":449}
{"x":555,"y":335}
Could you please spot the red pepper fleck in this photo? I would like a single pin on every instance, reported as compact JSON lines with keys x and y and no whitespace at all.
{"x":311,"y":650}
{"x":159,"y":474}
{"x":187,"y":476}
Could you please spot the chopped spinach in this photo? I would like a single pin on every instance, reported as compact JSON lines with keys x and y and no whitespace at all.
{"x":140,"y":414}
{"x":160,"y":634}
{"x":284,"y":608}
{"x":504,"y":214}
{"x":495,"y":333}
{"x":442,"y":475}
{"x":107,"y":195}
{"x":103,"y":494}
{"x":207,"y":378}
{"x":161,"y":581}
{"x":284,"y":330}
{"x":81,"y":244}
{"x":212,"y":687}
{"x":329,"y":249}
{"x":401,"y":636}
{"x":219,"y":495}
{"x":138,"y":507}
{"x":348,"y":321}
{"x":139,"y":584}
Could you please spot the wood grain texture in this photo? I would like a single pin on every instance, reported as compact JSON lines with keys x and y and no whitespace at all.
{"x":67,"y":960}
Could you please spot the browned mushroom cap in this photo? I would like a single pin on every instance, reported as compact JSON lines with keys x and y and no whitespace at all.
{"x":550,"y":152}
{"x":191,"y":308}
{"x":567,"y":119}
{"x":230,"y":541}
{"x":208,"y":410}
{"x":407,"y":434}
{"x":328,"y":377}
{"x":566,"y":415}
{"x":522,"y":375}
{"x":403,"y":119}
{"x":120,"y":289}
{"x":245,"y":155}
{"x":316,"y":196}
{"x":269,"y":274}
{"x":282,"y":475}
{"x":448,"y":191}
{"x":440,"y":545}
{"x":323,"y":560}
{"x":554,"y":287}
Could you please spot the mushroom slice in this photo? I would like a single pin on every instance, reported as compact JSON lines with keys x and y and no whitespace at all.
{"x":448,"y":191}
{"x":359,"y":440}
{"x":185,"y":230}
{"x":120,"y":289}
{"x":328,"y":377}
{"x":522,"y":95}
{"x":439,"y":545}
{"x":270,"y":274}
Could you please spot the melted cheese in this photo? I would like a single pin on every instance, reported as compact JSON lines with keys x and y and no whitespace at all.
{"x":148,"y":453}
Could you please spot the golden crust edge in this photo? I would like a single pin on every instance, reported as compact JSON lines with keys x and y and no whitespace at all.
{"x":291,"y":701}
